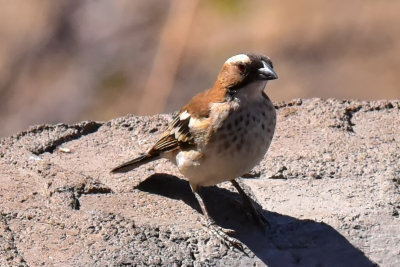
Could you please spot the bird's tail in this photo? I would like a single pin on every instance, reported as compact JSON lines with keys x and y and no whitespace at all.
{"x":132,"y":164}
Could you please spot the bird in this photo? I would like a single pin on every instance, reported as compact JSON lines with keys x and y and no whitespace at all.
{"x":222,"y":133}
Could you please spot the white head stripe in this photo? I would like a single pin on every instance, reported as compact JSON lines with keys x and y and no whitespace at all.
{"x":238,"y":58}
{"x":265,"y":65}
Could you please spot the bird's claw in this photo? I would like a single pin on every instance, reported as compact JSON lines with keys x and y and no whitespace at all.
{"x":223,"y":234}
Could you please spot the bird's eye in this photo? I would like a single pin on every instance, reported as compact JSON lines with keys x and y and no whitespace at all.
{"x":241,"y":67}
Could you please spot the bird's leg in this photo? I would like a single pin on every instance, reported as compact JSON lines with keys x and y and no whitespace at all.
{"x":255,"y":212}
{"x":223,"y":234}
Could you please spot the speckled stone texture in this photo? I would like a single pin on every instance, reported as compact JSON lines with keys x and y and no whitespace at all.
{"x":329,"y":186}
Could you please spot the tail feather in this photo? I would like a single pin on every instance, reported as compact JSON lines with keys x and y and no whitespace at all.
{"x":132,"y":164}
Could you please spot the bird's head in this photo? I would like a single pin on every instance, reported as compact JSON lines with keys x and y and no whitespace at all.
{"x":244,"y":69}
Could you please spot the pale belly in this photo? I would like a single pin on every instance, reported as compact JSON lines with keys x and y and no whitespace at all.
{"x":238,"y":145}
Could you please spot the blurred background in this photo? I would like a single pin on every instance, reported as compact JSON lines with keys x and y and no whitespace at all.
{"x":66,"y":61}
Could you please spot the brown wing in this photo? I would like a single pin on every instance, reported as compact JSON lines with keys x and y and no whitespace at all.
{"x":177,"y":136}
{"x":199,"y":105}
{"x":195,"y":113}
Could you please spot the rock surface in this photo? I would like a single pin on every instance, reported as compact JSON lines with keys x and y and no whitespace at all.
{"x":329,"y":186}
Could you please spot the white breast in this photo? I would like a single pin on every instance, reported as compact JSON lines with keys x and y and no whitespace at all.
{"x":236,"y":145}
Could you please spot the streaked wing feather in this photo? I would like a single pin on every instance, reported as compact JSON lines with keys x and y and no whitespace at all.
{"x":177,"y":136}
{"x":165,"y":144}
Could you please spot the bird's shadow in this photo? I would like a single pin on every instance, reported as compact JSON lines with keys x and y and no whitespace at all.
{"x":286,"y":242}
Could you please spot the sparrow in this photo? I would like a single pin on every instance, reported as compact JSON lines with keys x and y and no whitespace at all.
{"x":222,"y":133}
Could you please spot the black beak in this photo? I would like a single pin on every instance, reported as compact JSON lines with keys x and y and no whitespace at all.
{"x":267,"y":73}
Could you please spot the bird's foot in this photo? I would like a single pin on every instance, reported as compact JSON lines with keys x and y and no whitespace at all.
{"x":223,"y":234}
{"x":255,"y":213}
{"x":251,"y":207}
{"x":258,"y":216}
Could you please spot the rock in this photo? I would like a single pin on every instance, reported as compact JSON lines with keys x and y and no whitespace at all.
{"x":329,"y":187}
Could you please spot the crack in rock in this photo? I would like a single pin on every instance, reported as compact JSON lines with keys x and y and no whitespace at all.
{"x":90,"y":188}
{"x":69,"y":133}
{"x":294,"y":102}
{"x":8,"y":244}
{"x":280,"y":174}
{"x":348,"y":116}
{"x":346,"y":119}
{"x":381,"y":105}
{"x":251,"y":174}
